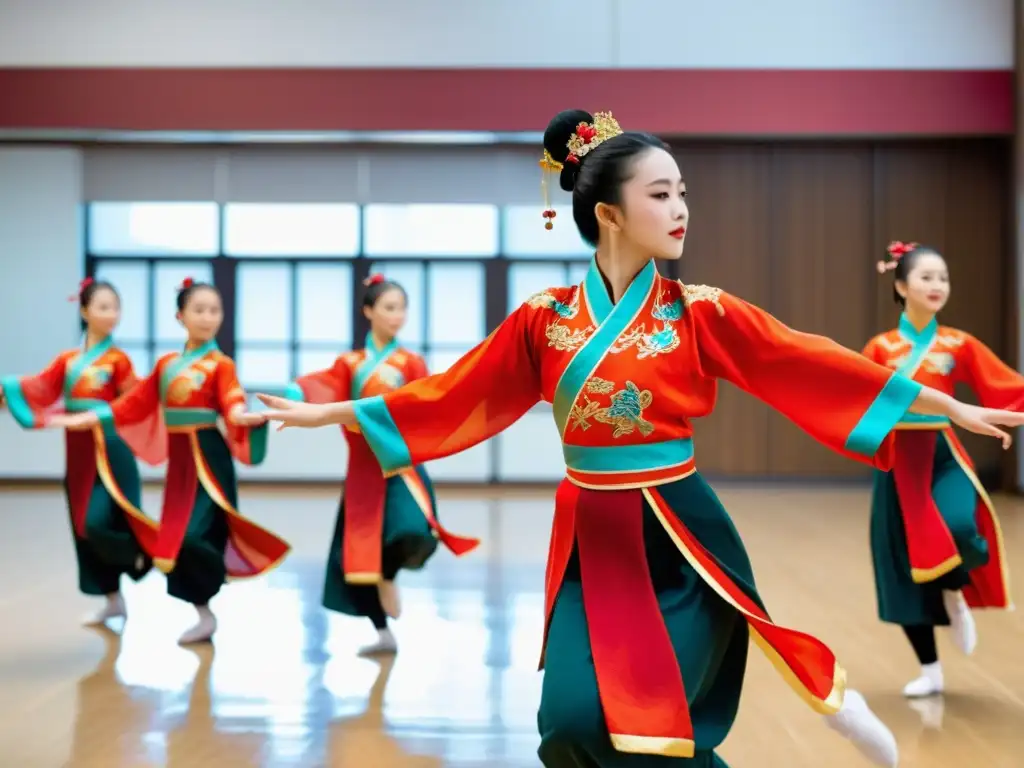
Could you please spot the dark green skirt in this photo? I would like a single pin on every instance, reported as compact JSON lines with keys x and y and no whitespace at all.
{"x":408,"y":543}
{"x":109,"y":548}
{"x":200,"y":571}
{"x":900,"y":600}
{"x":709,"y":636}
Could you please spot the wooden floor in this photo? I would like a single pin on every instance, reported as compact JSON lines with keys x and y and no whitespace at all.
{"x":282,"y":686}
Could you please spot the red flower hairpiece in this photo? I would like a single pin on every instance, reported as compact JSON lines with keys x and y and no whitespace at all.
{"x":81,"y":288}
{"x":188,"y":282}
{"x":896,"y":250}
{"x":373,"y":280}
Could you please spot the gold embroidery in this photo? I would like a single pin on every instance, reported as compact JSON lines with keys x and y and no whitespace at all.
{"x":941,"y":363}
{"x":600,"y":386}
{"x":390,"y":375}
{"x":659,"y":342}
{"x":565,"y":340}
{"x":184,"y":384}
{"x":628,"y":340}
{"x":627,"y":410}
{"x":949,"y":340}
{"x":891,"y":346}
{"x":694,"y":293}
{"x":547,"y":300}
{"x":96,"y":377}
{"x":579,"y":415}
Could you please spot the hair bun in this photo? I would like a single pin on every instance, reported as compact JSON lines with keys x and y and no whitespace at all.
{"x":556,"y":142}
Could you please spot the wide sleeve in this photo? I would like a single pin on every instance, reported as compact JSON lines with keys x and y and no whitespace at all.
{"x":248,"y":444}
{"x":996,"y":384}
{"x":844,"y":401}
{"x":124,"y":374}
{"x":137,"y":418}
{"x":28,"y":398}
{"x":326,"y":386}
{"x":484,"y":392}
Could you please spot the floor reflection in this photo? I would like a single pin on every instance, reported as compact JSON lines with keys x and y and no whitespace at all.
{"x":283,"y":687}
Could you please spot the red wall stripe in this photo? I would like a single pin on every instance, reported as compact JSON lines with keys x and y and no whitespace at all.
{"x":671,"y":102}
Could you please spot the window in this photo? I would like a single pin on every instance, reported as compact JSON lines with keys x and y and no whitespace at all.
{"x":286,"y":229}
{"x":263,"y":324}
{"x":524,"y":236}
{"x":420,"y":231}
{"x":455,"y":312}
{"x":153,"y":229}
{"x":325,"y":293}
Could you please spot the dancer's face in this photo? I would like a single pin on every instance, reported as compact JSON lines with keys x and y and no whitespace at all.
{"x":202,"y":315}
{"x":102,"y":313}
{"x":653,"y":215}
{"x":387,"y":315}
{"x":926,"y":288}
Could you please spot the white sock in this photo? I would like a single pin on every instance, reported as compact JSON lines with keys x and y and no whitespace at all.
{"x":930,"y":682}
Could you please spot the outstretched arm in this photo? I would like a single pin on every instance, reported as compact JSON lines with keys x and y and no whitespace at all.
{"x":483,"y":393}
{"x":28,"y":397}
{"x":996,"y":384}
{"x":839,"y":397}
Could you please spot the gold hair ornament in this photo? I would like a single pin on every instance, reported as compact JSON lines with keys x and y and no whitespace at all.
{"x":586,"y":138}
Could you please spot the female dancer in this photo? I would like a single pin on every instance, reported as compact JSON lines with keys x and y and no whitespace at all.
{"x":935,"y":539}
{"x":384,"y":524}
{"x":202,"y":537}
{"x":650,"y":597}
{"x":102,"y":486}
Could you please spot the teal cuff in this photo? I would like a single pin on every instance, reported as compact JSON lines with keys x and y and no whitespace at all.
{"x":883,"y":415}
{"x":294,"y":392}
{"x":258,"y":444}
{"x":382,"y":434}
{"x":16,"y":402}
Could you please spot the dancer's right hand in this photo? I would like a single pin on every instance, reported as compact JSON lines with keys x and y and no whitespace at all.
{"x":73,"y":421}
{"x":986,"y":421}
{"x":291,"y":413}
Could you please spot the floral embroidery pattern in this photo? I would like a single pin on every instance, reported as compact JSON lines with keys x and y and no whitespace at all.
{"x":694,"y":293}
{"x":624,"y":414}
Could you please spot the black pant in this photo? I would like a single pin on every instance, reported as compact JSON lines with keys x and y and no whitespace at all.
{"x":368,"y":598}
{"x":922,"y":636}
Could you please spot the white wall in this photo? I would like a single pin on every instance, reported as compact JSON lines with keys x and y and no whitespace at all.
{"x":804,"y":34}
{"x":40,"y":266}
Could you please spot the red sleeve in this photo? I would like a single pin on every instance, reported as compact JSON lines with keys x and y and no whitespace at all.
{"x":137,"y":418}
{"x":484,"y":392}
{"x":844,"y":401}
{"x":327,"y":386}
{"x":124,"y":374}
{"x":29,"y":397}
{"x":416,"y":368}
{"x":229,"y":389}
{"x":996,"y":384}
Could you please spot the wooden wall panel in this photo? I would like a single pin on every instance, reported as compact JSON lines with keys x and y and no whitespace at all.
{"x":796,"y":228}
{"x":729,"y":195}
{"x":821,"y":278}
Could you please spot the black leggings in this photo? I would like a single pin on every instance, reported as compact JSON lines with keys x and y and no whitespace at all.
{"x":922,"y":638}
{"x":369,"y":597}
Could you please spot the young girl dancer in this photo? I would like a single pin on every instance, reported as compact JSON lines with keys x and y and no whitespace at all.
{"x":384,"y":524}
{"x":935,"y":539}
{"x":650,"y":597}
{"x":102,"y":486}
{"x":203,"y":538}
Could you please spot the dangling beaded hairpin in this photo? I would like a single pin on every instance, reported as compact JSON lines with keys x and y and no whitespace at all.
{"x":588,"y":136}
{"x":896,"y":250}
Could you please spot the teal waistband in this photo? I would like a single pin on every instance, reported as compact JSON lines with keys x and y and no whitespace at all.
{"x":190,"y":417}
{"x":79,"y":404}
{"x":628,"y":458}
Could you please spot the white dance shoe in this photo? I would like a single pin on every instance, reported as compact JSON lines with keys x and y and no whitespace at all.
{"x":386,"y":645}
{"x":930,"y":683}
{"x":203,"y":631}
{"x":856,"y":722}
{"x":113,"y":609}
{"x":961,"y":621}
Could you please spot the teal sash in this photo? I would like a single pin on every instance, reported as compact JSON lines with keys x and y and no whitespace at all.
{"x":181,"y":363}
{"x":375,"y":358}
{"x":78,"y":366}
{"x":190,"y":417}
{"x":612,"y":321}
{"x":80,"y":404}
{"x":922,"y":342}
